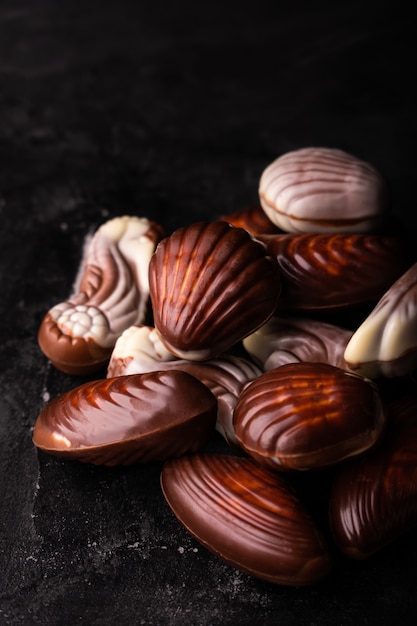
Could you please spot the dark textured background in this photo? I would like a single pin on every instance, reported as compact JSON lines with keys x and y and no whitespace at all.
{"x":169,"y":111}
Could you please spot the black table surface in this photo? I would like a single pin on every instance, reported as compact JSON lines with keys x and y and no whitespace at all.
{"x":168,"y":110}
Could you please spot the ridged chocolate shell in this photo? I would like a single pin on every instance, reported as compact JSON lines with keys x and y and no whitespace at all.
{"x":385,"y":344}
{"x":211,"y":285}
{"x":248,"y":516}
{"x":336,"y":271}
{"x":295,"y":340}
{"x":128,"y":419}
{"x":374,"y":498}
{"x":321,"y":189}
{"x":304,"y":416}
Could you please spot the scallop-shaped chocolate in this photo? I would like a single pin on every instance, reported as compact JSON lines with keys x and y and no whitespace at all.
{"x":110,"y":294}
{"x":374,"y":498}
{"x":321,"y":189}
{"x":211,"y":285}
{"x":128,"y":419}
{"x":297,"y":339}
{"x":336,"y":271}
{"x":303,"y":416}
{"x":248,"y":516}
{"x":385,"y":344}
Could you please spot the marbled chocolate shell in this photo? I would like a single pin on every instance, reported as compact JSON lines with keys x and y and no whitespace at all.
{"x":323,"y":190}
{"x":211,"y":285}
{"x":111,"y":293}
{"x":335,"y":271}
{"x":374,"y":498}
{"x":295,"y":340}
{"x":138,"y":350}
{"x":128,"y":419}
{"x":253,"y":219}
{"x":304,"y":416}
{"x":385,"y":344}
{"x":248,"y":516}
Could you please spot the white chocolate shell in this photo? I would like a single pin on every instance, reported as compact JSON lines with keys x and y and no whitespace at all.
{"x":323,"y":190}
{"x":296,"y":340}
{"x":385,"y":344}
{"x":211,"y":285}
{"x":111,"y":293}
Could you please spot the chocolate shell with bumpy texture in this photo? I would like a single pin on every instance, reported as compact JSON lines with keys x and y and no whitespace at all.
{"x":373,"y":500}
{"x":322,"y":271}
{"x":385,"y":344}
{"x":295,"y":340}
{"x":111,"y":293}
{"x":139,"y":350}
{"x":304,"y":416}
{"x":211,"y":285}
{"x":248,"y":516}
{"x":323,"y":190}
{"x":128,"y":419}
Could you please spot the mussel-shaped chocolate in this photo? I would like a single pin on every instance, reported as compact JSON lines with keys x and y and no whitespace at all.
{"x":297,"y":339}
{"x":139,"y":350}
{"x":336,"y":271}
{"x":128,"y":419}
{"x":304,"y":416}
{"x":111,"y":293}
{"x":323,"y":190}
{"x":374,"y":498}
{"x":385,"y":344}
{"x":248,"y":516}
{"x":211,"y":285}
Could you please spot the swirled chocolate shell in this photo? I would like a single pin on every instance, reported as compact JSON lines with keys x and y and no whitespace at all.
{"x":385,"y":344}
{"x":211,"y":285}
{"x":128,"y":419}
{"x":322,"y":271}
{"x":110,"y":294}
{"x":304,"y":416}
{"x":323,"y":190}
{"x":295,"y":340}
{"x":248,"y":516}
{"x":374,"y":498}
{"x":253,"y":219}
{"x":138,"y":350}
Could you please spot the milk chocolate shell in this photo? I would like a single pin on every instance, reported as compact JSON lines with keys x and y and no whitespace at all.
{"x":336,"y":271}
{"x":374,"y":498}
{"x":295,"y":340}
{"x":323,"y":190}
{"x":111,"y":293}
{"x":248,"y":516}
{"x":385,"y":344}
{"x":211,"y":285}
{"x":128,"y":419}
{"x":253,"y":219}
{"x":304,"y":416}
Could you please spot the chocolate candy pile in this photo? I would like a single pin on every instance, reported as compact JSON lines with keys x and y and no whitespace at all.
{"x":234,"y":325}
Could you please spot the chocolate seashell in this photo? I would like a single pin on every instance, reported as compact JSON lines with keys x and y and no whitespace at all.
{"x":385,"y":344}
{"x":295,"y":340}
{"x":211,"y":284}
{"x":253,"y":219}
{"x":248,"y":516}
{"x":128,"y":419}
{"x":304,"y":416}
{"x":336,"y":271}
{"x":111,"y":293}
{"x":374,"y":498}
{"x":323,"y":190}
{"x":138,"y":350}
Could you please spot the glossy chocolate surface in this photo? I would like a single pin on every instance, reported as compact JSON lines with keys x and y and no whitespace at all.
{"x":336,"y":271}
{"x":128,"y":419}
{"x":374,"y":498}
{"x":211,"y":285}
{"x":320,"y":189}
{"x":253,"y":219}
{"x":308,"y":415}
{"x":250,"y":517}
